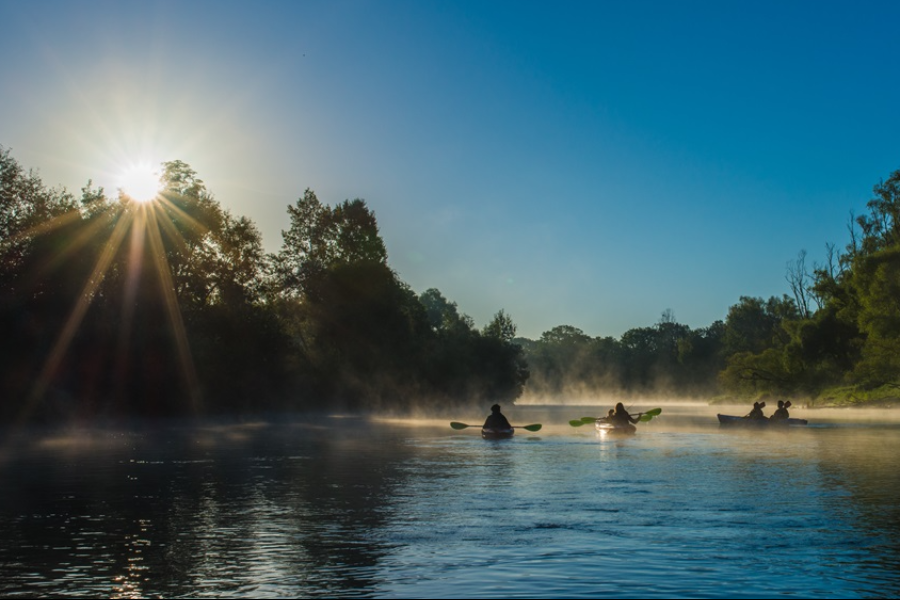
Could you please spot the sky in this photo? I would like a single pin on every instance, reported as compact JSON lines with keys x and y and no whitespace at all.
{"x":572,"y":163}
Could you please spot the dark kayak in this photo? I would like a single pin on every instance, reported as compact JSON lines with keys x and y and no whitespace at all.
{"x":490,"y":433}
{"x":730,"y":421}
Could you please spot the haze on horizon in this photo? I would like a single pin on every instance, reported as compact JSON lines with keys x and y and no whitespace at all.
{"x":583,"y":164}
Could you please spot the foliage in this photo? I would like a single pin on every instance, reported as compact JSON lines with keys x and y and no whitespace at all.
{"x":851,"y":339}
{"x":840,"y":329}
{"x":501,"y":328}
{"x":114,"y":307}
{"x":669,"y":357}
{"x":321,"y":238}
{"x":854,"y":395}
{"x":172,"y":307}
{"x":366,"y":340}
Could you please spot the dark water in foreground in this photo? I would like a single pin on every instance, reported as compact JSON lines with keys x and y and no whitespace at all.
{"x":353,"y":508}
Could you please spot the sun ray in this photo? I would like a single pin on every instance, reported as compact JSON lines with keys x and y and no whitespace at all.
{"x":147,"y":225}
{"x":193,"y":223}
{"x":79,"y":242}
{"x":168,"y":225}
{"x":44,"y":227}
{"x":75,"y":318}
{"x":132,"y":277}
{"x":172,"y":307}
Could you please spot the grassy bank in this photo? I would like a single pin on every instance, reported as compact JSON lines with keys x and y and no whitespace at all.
{"x":852,"y":396}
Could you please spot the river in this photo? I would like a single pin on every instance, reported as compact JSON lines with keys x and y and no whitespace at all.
{"x":404,"y":508}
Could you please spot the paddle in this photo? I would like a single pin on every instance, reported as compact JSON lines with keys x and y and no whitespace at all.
{"x":458,"y":425}
{"x":584,"y":421}
{"x":650,"y":414}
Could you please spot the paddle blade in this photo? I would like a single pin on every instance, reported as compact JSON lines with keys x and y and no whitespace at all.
{"x":650,"y":414}
{"x":535,"y":427}
{"x":589,"y":419}
{"x":458,"y":425}
{"x":576,"y":423}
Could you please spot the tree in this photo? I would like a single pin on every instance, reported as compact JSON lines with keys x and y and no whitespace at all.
{"x":501,"y":327}
{"x":240,"y":261}
{"x":801,"y":285}
{"x":754,"y":325}
{"x":564,"y":335}
{"x":320,"y":238}
{"x":876,"y":280}
{"x":700,"y":358}
{"x":565,"y":361}
{"x":881,"y":227}
{"x":443,"y":315}
{"x":29,"y":212}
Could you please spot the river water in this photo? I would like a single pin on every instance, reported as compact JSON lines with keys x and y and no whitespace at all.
{"x":402,"y":508}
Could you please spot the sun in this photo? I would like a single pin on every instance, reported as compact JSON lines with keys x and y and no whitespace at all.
{"x":140,"y":182}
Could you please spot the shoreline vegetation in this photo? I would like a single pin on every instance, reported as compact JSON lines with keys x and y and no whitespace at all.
{"x":115,"y":307}
{"x":849,"y":397}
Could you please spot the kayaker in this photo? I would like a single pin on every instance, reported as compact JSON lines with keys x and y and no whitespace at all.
{"x":781,"y":413}
{"x":496,"y":420}
{"x":621,"y":418}
{"x":757,"y":412}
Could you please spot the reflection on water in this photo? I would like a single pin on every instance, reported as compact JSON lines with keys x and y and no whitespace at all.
{"x":357,"y":508}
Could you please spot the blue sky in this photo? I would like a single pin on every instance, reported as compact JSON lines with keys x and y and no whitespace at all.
{"x":581,"y":163}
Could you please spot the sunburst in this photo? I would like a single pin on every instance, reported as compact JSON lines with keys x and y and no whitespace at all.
{"x":139,"y":181}
{"x":146,"y":222}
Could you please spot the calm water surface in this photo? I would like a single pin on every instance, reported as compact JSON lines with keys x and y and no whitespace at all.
{"x":411,"y":509}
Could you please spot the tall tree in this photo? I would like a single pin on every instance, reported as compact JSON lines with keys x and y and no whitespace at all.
{"x":501,"y":327}
{"x":320,"y":238}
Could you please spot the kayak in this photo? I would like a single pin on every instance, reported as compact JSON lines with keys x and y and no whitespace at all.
{"x":607,"y":428}
{"x":731,"y":421}
{"x":490,"y":433}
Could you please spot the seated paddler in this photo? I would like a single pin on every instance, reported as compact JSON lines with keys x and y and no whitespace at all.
{"x":496,"y":420}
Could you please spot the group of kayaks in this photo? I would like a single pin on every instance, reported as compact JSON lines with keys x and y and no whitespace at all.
{"x":602,"y":424}
{"x":605,"y":426}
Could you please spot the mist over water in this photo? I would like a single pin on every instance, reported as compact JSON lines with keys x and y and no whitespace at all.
{"x":396,"y":507}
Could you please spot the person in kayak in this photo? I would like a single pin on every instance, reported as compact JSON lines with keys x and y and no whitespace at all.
{"x":757,"y":412}
{"x":496,"y":420}
{"x":621,"y":418}
{"x":781,"y":413}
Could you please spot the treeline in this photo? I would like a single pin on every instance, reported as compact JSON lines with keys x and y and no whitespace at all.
{"x":109,"y":306}
{"x":667,"y":358}
{"x":835,"y":339}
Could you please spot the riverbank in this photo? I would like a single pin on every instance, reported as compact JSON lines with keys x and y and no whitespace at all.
{"x":886,"y":396}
